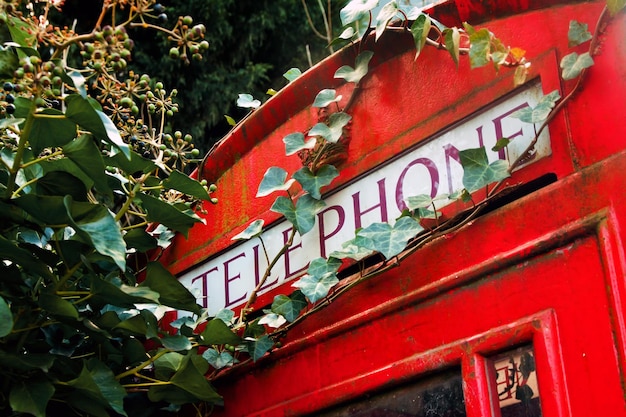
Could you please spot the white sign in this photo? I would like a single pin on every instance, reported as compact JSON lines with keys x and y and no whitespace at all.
{"x":432,"y":167}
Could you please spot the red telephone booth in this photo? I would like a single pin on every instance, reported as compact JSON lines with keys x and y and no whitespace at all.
{"x":520,"y":312}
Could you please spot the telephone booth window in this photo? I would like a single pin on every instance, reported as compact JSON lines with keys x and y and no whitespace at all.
{"x":516,"y":383}
{"x":439,"y":395}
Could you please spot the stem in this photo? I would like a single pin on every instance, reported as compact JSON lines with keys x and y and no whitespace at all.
{"x":21,"y":147}
{"x":142,"y":365}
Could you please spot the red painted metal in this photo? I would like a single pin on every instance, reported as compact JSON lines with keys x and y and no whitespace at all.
{"x":547,"y":269}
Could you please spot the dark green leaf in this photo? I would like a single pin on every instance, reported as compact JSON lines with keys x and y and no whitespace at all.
{"x":57,"y":305}
{"x":386,"y":239}
{"x":168,"y":364}
{"x":302,"y":215}
{"x":139,"y":239}
{"x":172,"y":292}
{"x":259,"y":347}
{"x":273,"y":180}
{"x":32,"y":398}
{"x":135,"y":164}
{"x":68,"y":166}
{"x":219,"y":360}
{"x":254,"y":229}
{"x":294,"y":143}
{"x":312,"y":183}
{"x":217,"y":332}
{"x":21,"y":32}
{"x":478,"y":172}
{"x":289,"y":307}
{"x":420,"y":30}
{"x":161,"y":212}
{"x":86,"y":155}
{"x":8,"y":63}
{"x":136,"y":325}
{"x":354,"y":75}
{"x":573,"y":64}
{"x":185,"y":184}
{"x":6,"y":318}
{"x":28,"y":362}
{"x":23,"y":258}
{"x":501,"y":144}
{"x":177,"y":342}
{"x":316,"y":288}
{"x":60,"y":183}
{"x":50,"y":128}
{"x":81,"y":112}
{"x":326,"y":97}
{"x":97,"y":382}
{"x":191,"y":379}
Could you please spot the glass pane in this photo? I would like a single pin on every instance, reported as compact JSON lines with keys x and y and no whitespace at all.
{"x":440,"y":395}
{"x":516,"y":382}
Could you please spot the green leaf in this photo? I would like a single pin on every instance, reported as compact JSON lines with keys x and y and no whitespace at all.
{"x":274,"y":180}
{"x":292,"y":74}
{"x":57,"y":305}
{"x":578,"y":33}
{"x":8,"y":63}
{"x":333,"y":131}
{"x":81,"y":112}
{"x":294,"y":143}
{"x":354,"y":75}
{"x":168,"y":364}
{"x":21,"y":32}
{"x":452,"y":38}
{"x":478,"y":172}
{"x":97,"y":382}
{"x":386,"y":239}
{"x":254,"y":229}
{"x":188,"y":384}
{"x":136,"y":325}
{"x":226,"y":315}
{"x":172,"y":292}
{"x":217,"y":332}
{"x":246,"y":101}
{"x":615,"y":6}
{"x":272,"y":319}
{"x":23,"y":258}
{"x":32,"y":361}
{"x":573,"y":64}
{"x":177,"y":343}
{"x":139,"y":239}
{"x":219,"y":360}
{"x":230,"y":120}
{"x":159,"y":211}
{"x":320,"y":266}
{"x":355,"y":10}
{"x":185,"y":184}
{"x":480,"y":46}
{"x":541,"y":111}
{"x":351,"y":250}
{"x":96,"y":224}
{"x":302,"y":215}
{"x":326,"y":97}
{"x":135,"y":164}
{"x":386,"y":13}
{"x":50,"y":128}
{"x":289,"y":307}
{"x":86,"y":155}
{"x":423,"y":205}
{"x":6,"y":318}
{"x":316,"y":288}
{"x":32,"y":398}
{"x":420,"y":30}
{"x":501,"y":144}
{"x":104,"y":292}
{"x":312,"y":183}
{"x":259,"y":347}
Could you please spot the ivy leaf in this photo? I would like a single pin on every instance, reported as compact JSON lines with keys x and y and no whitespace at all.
{"x":501,"y":144}
{"x":85,"y":154}
{"x":50,"y":132}
{"x":20,"y":32}
{"x":320,"y":266}
{"x":254,"y":229}
{"x":312,"y":183}
{"x":185,"y":184}
{"x":478,"y":172}
{"x":351,"y":250}
{"x":274,"y":180}
{"x":333,"y":131}
{"x":386,"y":239}
{"x":480,"y":46}
{"x":316,"y":288}
{"x":420,"y":30}
{"x":578,"y":33}
{"x":386,"y":13}
{"x":95,"y":223}
{"x":230,"y":120}
{"x":140,"y":240}
{"x":6,"y":318}
{"x":219,"y":360}
{"x":81,"y":112}
{"x":289,"y":307}
{"x":190,"y":378}
{"x":171,"y":292}
{"x":573,"y":64}
{"x":302,"y":215}
{"x":57,"y":305}
{"x":176,"y":343}
{"x":292,"y":74}
{"x":541,"y":111}
{"x":452,"y":38}
{"x":217,"y":332}
{"x":326,"y":97}
{"x":355,"y":10}
{"x":246,"y":101}
{"x":259,"y":347}
{"x":226,"y":315}
{"x":354,"y":75}
{"x":615,"y":6}
{"x":272,"y":319}
{"x":423,"y":205}
{"x":97,"y":383}
{"x":346,"y":35}
{"x":161,"y":212}
{"x":294,"y":143}
{"x":32,"y":398}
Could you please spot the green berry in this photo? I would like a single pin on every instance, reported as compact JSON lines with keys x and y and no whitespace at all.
{"x":174,"y":52}
{"x":195,"y":153}
{"x":214,"y":200}
{"x":212,"y":188}
{"x":159,"y":85}
{"x":187,"y":20}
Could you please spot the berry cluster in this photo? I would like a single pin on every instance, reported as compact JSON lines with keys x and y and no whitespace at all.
{"x":8,"y":99}
{"x":190,"y":40}
{"x":110,"y":50}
